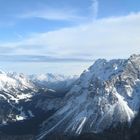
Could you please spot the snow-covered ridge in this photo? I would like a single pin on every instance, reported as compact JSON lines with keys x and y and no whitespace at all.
{"x":13,"y":85}
{"x":14,"y":80}
{"x":17,"y":87}
{"x":106,"y":94}
{"x":14,"y":88}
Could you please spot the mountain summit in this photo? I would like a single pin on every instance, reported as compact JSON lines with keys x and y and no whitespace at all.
{"x":105,"y":95}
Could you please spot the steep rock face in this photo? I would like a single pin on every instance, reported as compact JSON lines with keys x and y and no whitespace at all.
{"x":105,"y":95}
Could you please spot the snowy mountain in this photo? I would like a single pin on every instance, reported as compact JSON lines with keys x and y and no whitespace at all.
{"x":105,"y":95}
{"x":15,"y":82}
{"x":23,"y":97}
{"x":13,"y":89}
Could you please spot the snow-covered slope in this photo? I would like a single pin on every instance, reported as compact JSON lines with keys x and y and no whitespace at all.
{"x":13,"y":89}
{"x":19,"y":92}
{"x":106,"y":94}
{"x":15,"y":86}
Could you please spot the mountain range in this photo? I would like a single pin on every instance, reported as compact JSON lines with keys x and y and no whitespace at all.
{"x":102,"y":104}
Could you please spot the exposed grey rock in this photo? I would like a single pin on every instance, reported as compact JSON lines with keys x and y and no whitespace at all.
{"x":105,"y":95}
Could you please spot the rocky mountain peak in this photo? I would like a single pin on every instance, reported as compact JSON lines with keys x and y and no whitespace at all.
{"x":105,"y":95}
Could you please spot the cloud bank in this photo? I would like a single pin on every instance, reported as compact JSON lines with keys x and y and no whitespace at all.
{"x":114,"y":37}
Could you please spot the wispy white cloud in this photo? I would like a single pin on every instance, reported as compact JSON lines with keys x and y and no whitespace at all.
{"x":109,"y":37}
{"x":62,"y":13}
{"x":53,"y":14}
{"x":94,"y":8}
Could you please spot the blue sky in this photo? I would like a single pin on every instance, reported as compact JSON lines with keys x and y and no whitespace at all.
{"x":76,"y":30}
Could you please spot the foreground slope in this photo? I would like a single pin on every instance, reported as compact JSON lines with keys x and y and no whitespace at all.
{"x":107,"y":94}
